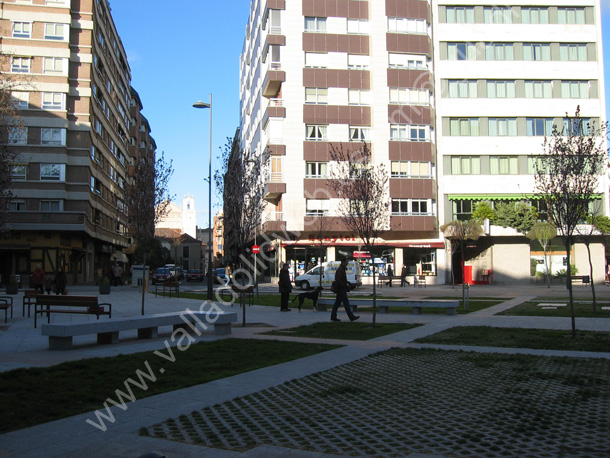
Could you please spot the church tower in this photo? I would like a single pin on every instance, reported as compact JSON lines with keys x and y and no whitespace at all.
{"x":189,"y":216}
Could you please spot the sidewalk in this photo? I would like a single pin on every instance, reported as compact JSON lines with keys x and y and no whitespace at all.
{"x":22,"y":346}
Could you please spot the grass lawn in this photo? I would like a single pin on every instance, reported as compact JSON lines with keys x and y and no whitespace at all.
{"x":273,"y":300}
{"x":344,"y":330}
{"x":582,"y":308}
{"x":485,"y":336}
{"x":38,"y":395}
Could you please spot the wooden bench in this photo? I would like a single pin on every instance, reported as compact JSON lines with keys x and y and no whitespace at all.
{"x":29,"y":299}
{"x":85,"y":305}
{"x":235,"y":291}
{"x":419,"y":281}
{"x":168,"y":287}
{"x":61,"y":336}
{"x":383,"y":279}
{"x":6,"y":302}
{"x":584,"y":279}
{"x":385,"y":304}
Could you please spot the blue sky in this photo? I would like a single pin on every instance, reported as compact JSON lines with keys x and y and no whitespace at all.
{"x":180,"y":53}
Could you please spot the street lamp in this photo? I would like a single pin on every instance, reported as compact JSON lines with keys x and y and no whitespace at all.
{"x":200,"y":104}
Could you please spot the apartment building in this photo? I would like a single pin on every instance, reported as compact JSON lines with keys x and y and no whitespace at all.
{"x":454,"y":98}
{"x":83,"y":133}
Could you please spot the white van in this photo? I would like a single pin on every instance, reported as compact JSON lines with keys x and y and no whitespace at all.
{"x":311,"y":279}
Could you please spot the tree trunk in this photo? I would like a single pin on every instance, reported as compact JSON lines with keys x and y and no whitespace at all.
{"x":569,"y":286}
{"x":591,"y":276}
{"x":374,"y":290}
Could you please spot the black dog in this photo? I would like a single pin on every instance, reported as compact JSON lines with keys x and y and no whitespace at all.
{"x":313,"y":295}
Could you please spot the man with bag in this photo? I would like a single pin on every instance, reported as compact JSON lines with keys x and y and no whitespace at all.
{"x":340,"y":287}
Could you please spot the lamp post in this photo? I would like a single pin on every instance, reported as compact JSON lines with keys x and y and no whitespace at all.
{"x":200,"y":104}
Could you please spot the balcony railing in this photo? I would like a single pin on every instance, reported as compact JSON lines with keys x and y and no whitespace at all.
{"x":273,"y":216}
{"x":276,"y":102}
{"x":276,"y":177}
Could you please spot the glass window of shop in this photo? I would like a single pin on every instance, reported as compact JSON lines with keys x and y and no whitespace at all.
{"x":303,"y":259}
{"x":364,"y":258}
{"x":420,"y":261}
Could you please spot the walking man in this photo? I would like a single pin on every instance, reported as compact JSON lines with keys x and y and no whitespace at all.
{"x":341,"y":287}
{"x":38,"y":276}
{"x":390,"y":275}
{"x":403,"y":276}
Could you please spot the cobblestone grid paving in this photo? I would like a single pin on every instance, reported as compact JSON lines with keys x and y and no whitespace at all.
{"x":452,"y":403}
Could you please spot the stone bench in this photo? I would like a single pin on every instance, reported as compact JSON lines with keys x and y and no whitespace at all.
{"x":385,"y":304}
{"x":61,"y":335}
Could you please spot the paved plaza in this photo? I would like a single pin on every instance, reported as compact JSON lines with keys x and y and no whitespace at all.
{"x":387,"y":397}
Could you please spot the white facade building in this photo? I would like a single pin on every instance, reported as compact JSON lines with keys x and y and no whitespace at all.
{"x":447,"y":99}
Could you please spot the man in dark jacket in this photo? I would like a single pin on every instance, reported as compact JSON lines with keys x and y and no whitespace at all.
{"x":341,"y":290}
{"x":285,"y":288}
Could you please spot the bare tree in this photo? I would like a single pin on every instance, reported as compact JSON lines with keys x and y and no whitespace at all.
{"x":544,"y":232}
{"x":584,"y":235}
{"x":147,"y":200}
{"x":363,"y":189}
{"x":10,"y":121}
{"x":243,"y":178}
{"x":322,"y":225}
{"x":567,"y":177}
{"x":458,"y":232}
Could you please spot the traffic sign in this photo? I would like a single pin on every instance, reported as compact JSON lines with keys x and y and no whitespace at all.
{"x":256,"y":249}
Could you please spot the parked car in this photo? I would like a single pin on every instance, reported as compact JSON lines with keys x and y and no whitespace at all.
{"x":311,"y":279}
{"x":219,"y":277}
{"x":177,"y":272}
{"x":162,"y":275}
{"x":194,"y":275}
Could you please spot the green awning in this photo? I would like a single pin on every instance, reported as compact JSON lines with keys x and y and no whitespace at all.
{"x":504,"y":196}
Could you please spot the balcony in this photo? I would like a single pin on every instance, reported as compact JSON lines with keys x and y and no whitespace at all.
{"x":275,"y":188}
{"x":274,"y":223}
{"x":275,"y":109}
{"x":274,"y":77}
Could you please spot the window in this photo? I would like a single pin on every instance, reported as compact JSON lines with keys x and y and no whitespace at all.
{"x":56,"y":2}
{"x":317,"y":207}
{"x":357,"y":134}
{"x":409,"y":169}
{"x":357,"y":61}
{"x":412,"y":133}
{"x":18,"y":136}
{"x":575,"y":89}
{"x":21,"y":100}
{"x":465,"y":165}
{"x":411,"y":61}
{"x":410,"y":207}
{"x":22,"y":29}
{"x":534,"y":15}
{"x":405,"y":25}
{"x":52,"y":172}
{"x":464,"y":127}
{"x":574,"y":126}
{"x":55,"y":65}
{"x":52,"y":136}
{"x":54,"y":31}
{"x":100,"y":39}
{"x":315,"y":24}
{"x":274,"y":21}
{"x":49,"y":205}
{"x":500,"y":127}
{"x":97,"y":125}
{"x":573,"y":52}
{"x":275,"y":171}
{"x":459,"y":14}
{"x":359,"y":97}
{"x":358,"y":26}
{"x":461,"y":51}
{"x":16,"y":206}
{"x":534,"y":163}
{"x":538,"y":89}
{"x":503,"y":165}
{"x":316,"y":95}
{"x":501,"y":89}
{"x":539,"y":127}
{"x":536,"y":51}
{"x":498,"y":15}
{"x":316,"y":60}
{"x":53,"y":101}
{"x":409,"y":96}
{"x":571,"y":15}
{"x":499,"y":51}
{"x":21,"y":64}
{"x":19,"y":172}
{"x":315,"y":132}
{"x":464,"y":89}
{"x":462,"y":209}
{"x":316,"y":169}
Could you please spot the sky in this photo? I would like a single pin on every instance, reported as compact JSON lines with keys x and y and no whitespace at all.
{"x":171,"y":71}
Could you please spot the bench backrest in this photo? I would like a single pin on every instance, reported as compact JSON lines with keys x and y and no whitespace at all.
{"x":75,"y":301}
{"x":30,"y":293}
